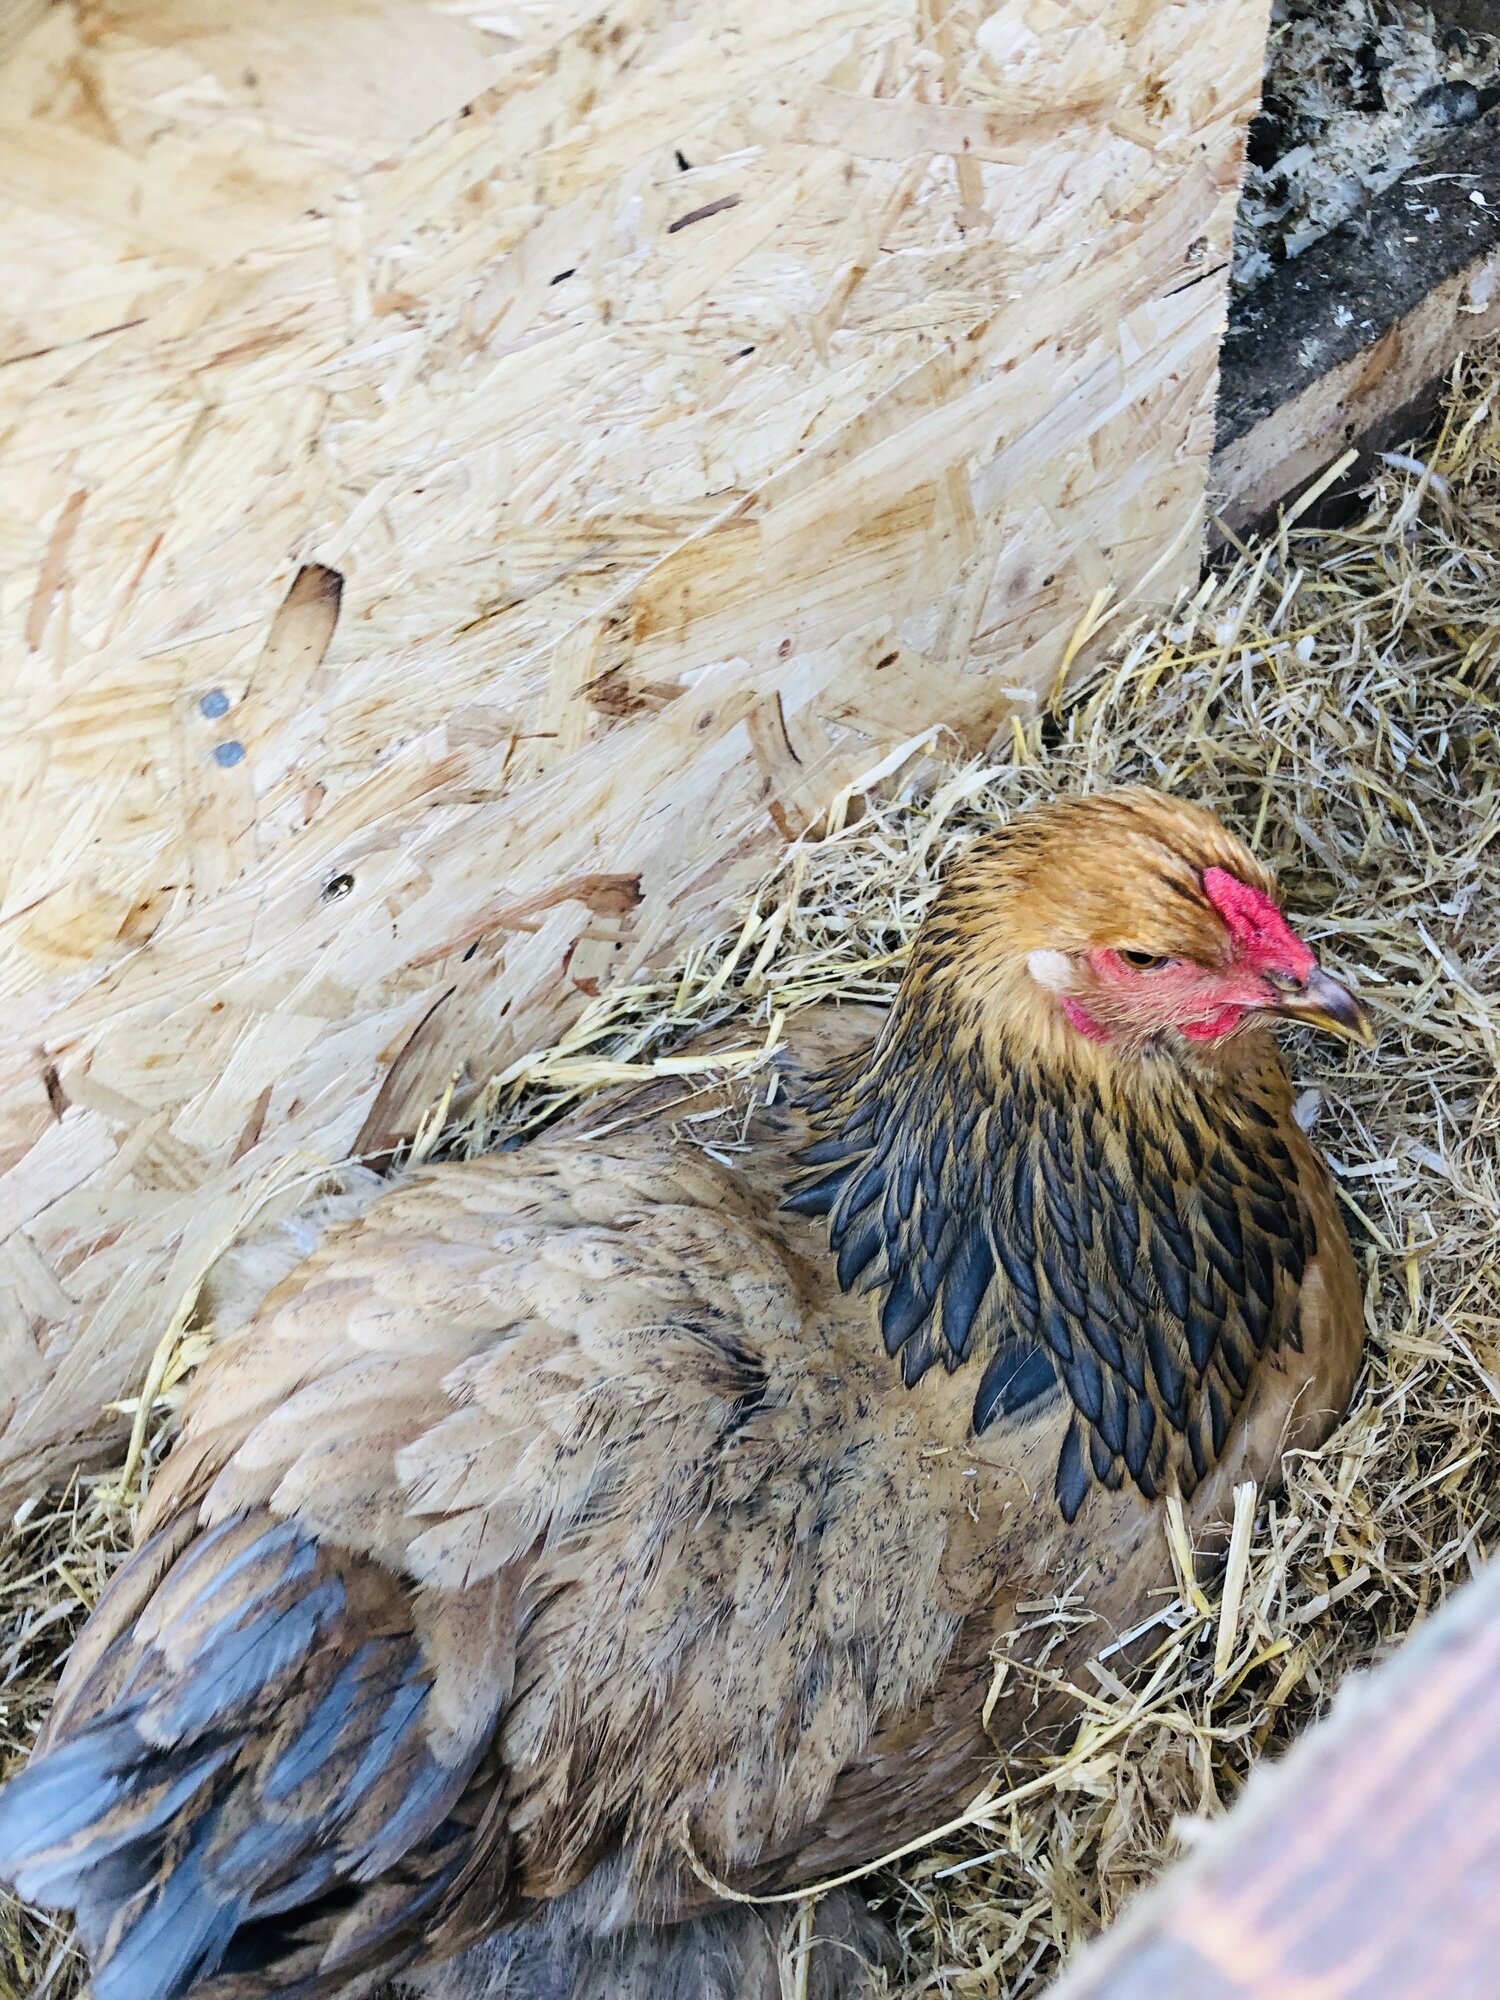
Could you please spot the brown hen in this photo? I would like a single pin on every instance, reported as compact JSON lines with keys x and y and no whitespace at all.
{"x":570,"y":1509}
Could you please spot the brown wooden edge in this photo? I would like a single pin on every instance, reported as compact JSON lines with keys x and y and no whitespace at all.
{"x":1351,"y":343}
{"x":1364,"y":1866}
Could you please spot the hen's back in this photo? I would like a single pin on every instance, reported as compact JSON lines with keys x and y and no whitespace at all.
{"x":531,"y":1517}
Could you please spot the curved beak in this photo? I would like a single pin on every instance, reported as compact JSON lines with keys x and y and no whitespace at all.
{"x":1325,"y":1003}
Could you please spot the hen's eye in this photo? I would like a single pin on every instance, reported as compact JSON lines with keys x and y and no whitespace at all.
{"x":1143,"y":961}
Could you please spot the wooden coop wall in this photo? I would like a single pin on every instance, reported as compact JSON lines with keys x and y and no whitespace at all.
{"x":694,"y":398}
{"x":1365,"y":1865}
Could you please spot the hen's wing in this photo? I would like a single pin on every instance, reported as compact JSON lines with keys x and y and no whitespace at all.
{"x":248,"y":1782}
{"x":513,"y":1529}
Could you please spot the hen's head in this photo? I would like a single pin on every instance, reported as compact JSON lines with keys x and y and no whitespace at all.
{"x":1123,"y":919}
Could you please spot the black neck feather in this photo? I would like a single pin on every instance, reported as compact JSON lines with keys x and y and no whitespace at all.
{"x":1136,"y":1255}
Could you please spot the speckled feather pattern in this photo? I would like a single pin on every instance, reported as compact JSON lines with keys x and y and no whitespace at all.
{"x":1137,"y":1251}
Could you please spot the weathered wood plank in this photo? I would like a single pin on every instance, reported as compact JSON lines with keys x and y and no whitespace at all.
{"x":1350,"y":344}
{"x":1364,"y":1866}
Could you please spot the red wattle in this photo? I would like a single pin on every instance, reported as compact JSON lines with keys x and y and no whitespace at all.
{"x":1216,"y":1026}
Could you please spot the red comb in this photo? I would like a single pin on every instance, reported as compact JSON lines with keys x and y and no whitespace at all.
{"x":1261,"y":934}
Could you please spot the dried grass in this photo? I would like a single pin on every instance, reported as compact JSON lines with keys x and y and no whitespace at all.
{"x":1334,"y":694}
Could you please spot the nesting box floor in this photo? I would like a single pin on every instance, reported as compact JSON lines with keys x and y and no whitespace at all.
{"x":1334,"y":696}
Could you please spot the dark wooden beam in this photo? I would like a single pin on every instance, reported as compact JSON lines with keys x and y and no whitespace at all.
{"x":1481,"y":15}
{"x":1364,"y":1866}
{"x":1351,"y":343}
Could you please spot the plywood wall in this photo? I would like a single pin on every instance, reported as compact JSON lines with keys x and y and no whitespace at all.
{"x":685,"y":401}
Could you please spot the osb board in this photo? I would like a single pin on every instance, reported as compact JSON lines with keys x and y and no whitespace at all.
{"x":695,"y":400}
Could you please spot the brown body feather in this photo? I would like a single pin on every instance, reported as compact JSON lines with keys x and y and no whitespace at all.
{"x":570,"y":1503}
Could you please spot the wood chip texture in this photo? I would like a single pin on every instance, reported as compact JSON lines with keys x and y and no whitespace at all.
{"x":473,"y":481}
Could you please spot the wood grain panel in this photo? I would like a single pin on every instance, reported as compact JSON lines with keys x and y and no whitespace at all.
{"x":1365,"y":1866}
{"x":694,"y":400}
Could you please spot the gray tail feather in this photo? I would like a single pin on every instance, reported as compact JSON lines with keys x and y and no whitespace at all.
{"x":725,"y":1955}
{"x":232,"y":1796}
{"x":56,"y":1848}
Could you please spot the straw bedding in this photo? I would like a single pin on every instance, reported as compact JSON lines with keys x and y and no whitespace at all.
{"x":1335,"y":695}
